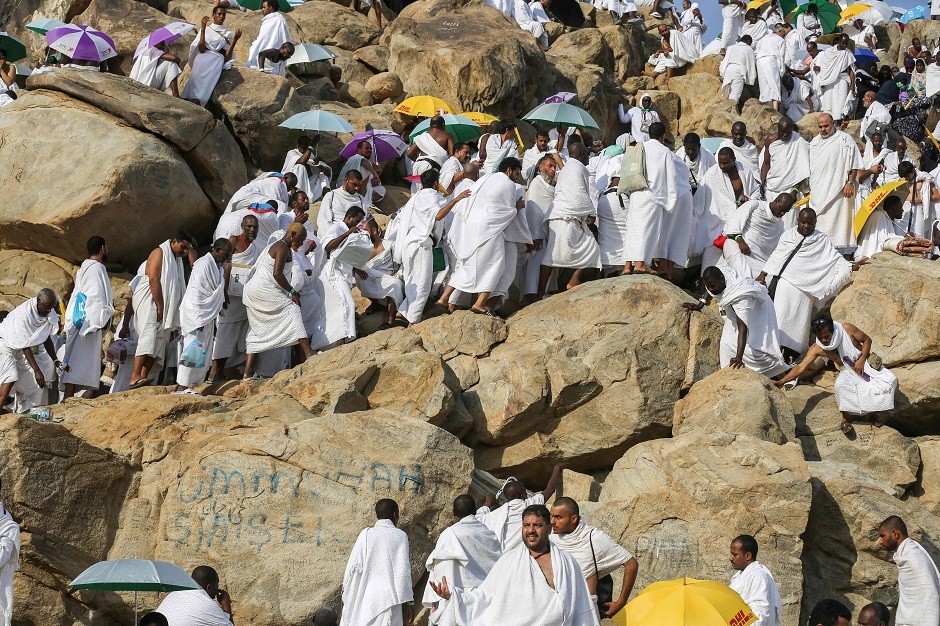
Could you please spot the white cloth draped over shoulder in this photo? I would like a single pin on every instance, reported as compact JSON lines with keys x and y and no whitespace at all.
{"x":153,"y":334}
{"x":334,"y":206}
{"x":9,"y":563}
{"x":570,"y":241}
{"x":697,"y":170}
{"x":738,"y":68}
{"x":204,"y":296}
{"x":771,"y":55}
{"x":719,"y":198}
{"x":193,"y":607}
{"x":789,"y":164}
{"x":83,"y":345}
{"x":815,"y":273}
{"x":506,"y":521}
{"x":757,"y":587}
{"x":464,"y":554}
{"x":153,"y":70}
{"x":831,"y":159}
{"x":878,"y":229}
{"x":918,"y":584}
{"x":274,"y":320}
{"x":206,"y":67}
{"x":592,"y":546}
{"x":693,"y":27}
{"x":268,"y":186}
{"x":377,"y":580}
{"x":311,"y":179}
{"x":833,"y":82}
{"x":757,"y":31}
{"x":746,"y":154}
{"x":274,"y":33}
{"x":648,"y":206}
{"x":539,"y":197}
{"x":760,"y":229}
{"x":491,"y":208}
{"x":516,"y":581}
{"x":747,"y":300}
{"x":853,"y":393}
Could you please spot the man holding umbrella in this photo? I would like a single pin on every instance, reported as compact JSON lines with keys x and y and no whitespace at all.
{"x":159,"y":68}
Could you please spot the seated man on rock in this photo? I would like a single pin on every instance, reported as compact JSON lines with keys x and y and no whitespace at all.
{"x":206,"y":606}
{"x":274,"y":60}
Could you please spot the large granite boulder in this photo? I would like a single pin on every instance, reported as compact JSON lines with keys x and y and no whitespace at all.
{"x":677,"y":503}
{"x":23,"y":274}
{"x":138,"y":192}
{"x":467,"y":53}
{"x":586,"y":374}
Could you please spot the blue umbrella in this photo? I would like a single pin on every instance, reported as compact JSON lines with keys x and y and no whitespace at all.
{"x":865,"y":57}
{"x":919,"y":12}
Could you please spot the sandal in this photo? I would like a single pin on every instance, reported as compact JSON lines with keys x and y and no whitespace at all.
{"x":847,"y":427}
{"x":143,"y":382}
{"x":252,"y":377}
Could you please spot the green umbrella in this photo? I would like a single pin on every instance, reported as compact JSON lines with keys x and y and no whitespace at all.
{"x":255,"y":5}
{"x":15,"y":48}
{"x":43,"y":25}
{"x":462,"y":128}
{"x":829,"y":14}
{"x":134,"y":575}
{"x":561,"y":114}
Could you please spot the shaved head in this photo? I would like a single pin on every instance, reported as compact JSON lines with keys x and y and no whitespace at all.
{"x":464,"y":506}
{"x":514,"y":490}
{"x":568,"y":504}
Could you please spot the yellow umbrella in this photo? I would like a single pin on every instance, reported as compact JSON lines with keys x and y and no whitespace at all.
{"x":802,"y":201}
{"x":484,"y":120}
{"x":686,"y":602}
{"x":423,"y":106}
{"x":873,"y":201}
{"x":851,"y":12}
{"x":756,"y":4}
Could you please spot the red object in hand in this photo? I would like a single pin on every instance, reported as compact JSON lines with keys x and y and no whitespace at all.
{"x":720,"y":241}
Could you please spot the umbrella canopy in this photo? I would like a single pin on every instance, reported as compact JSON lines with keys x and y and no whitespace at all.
{"x":687,"y":601}
{"x":757,"y":4}
{"x":561,"y":96}
{"x":874,"y":200}
{"x":15,"y":48}
{"x":462,"y":128}
{"x":423,"y":106}
{"x":483,"y":119}
{"x":81,"y":42}
{"x":865,"y":57}
{"x":919,"y":12}
{"x":879,"y":12}
{"x":23,"y":70}
{"x":561,"y":114}
{"x":43,"y":25}
{"x":318,"y":121}
{"x":310,"y":53}
{"x":164,"y":34}
{"x":852,"y":11}
{"x":386,"y":145}
{"x":255,"y":5}
{"x":134,"y":575}
{"x":829,"y":14}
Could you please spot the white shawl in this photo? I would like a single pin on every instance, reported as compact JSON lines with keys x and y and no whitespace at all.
{"x":745,"y":154}
{"x":742,"y":56}
{"x":204,"y":295}
{"x":832,"y":63}
{"x":24,"y":327}
{"x":91,"y":280}
{"x":683,"y":50}
{"x":789,"y":163}
{"x":586,"y":543}
{"x":491,"y":208}
{"x":378,"y":574}
{"x":11,"y":530}
{"x":173,"y":282}
{"x":747,"y":300}
{"x":918,"y":584}
{"x":274,"y":33}
{"x":516,"y":583}
{"x":465,"y":553}
{"x":416,"y":221}
{"x":817,"y":268}
{"x":218,"y":40}
{"x":933,"y":80}
{"x":572,"y":193}
{"x":759,"y":226}
{"x":831,"y":158}
{"x":430,"y":148}
{"x":538,"y":200}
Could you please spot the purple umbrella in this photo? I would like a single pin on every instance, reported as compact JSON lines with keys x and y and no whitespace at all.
{"x":165,"y":34}
{"x":81,"y":42}
{"x":386,"y":145}
{"x":561,"y":96}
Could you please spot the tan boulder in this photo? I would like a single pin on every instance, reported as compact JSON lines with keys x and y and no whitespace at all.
{"x":356,"y":94}
{"x":385,"y":85}
{"x":461,"y":333}
{"x":708,"y":112}
{"x":585,"y":45}
{"x":143,"y":181}
{"x":889,"y":36}
{"x":626,"y":44}
{"x":23,"y":274}
{"x":353,"y":69}
{"x":615,"y":372}
{"x":841,"y":555}
{"x":467,"y":53}
{"x":579,"y":487}
{"x":677,"y":503}
{"x":706,"y":65}
{"x":208,"y":148}
{"x":918,"y":399}
{"x":894,"y":299}
{"x":736,"y":401}
{"x":127,"y":22}
{"x":373,"y":57}
{"x":329,"y":23}
{"x":928,"y":491}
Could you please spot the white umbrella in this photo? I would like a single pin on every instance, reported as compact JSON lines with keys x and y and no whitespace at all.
{"x":310,"y":53}
{"x":319,"y":121}
{"x":878,"y":13}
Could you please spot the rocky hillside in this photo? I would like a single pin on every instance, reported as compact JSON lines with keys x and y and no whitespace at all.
{"x":271,"y":481}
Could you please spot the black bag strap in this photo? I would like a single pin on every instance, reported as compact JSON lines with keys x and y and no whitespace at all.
{"x":591,"y":542}
{"x":772,"y":289}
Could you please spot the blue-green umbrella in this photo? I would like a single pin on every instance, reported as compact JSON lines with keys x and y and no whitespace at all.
{"x":462,"y":128}
{"x":318,"y":121}
{"x":561,"y":114}
{"x":134,"y":575}
{"x":43,"y":25}
{"x":15,"y":48}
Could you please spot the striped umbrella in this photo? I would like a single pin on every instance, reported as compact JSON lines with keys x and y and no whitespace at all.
{"x":81,"y":42}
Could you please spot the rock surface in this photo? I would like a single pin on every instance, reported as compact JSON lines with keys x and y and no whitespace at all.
{"x":23,"y":274}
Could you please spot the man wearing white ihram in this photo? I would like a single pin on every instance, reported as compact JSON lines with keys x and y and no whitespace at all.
{"x":535,"y":574}
{"x":202,"y":302}
{"x":465,"y":553}
{"x":377,"y":582}
{"x":648,"y":206}
{"x":834,"y":162}
{"x":918,"y":578}
{"x":784,"y":163}
{"x":752,"y":233}
{"x":232,"y":325}
{"x":836,"y":78}
{"x":274,"y":32}
{"x":210,"y":53}
{"x":754,"y":582}
{"x":89,"y":312}
{"x":571,"y":215}
{"x":9,"y":563}
{"x":27,"y":326}
{"x":732,"y":14}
